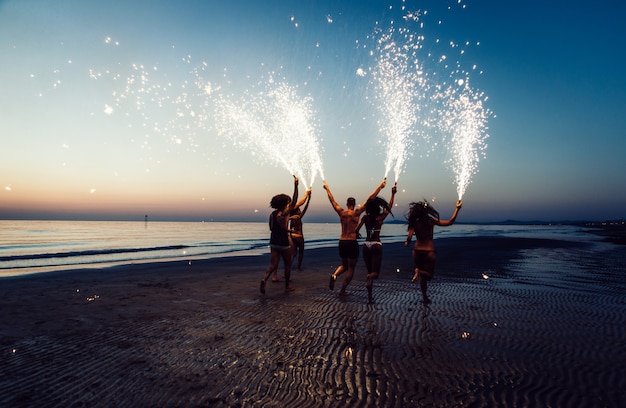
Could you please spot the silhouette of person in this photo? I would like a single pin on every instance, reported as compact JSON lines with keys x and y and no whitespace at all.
{"x":422,"y":219}
{"x":348,"y":245}
{"x":280,"y":242}
{"x":376,"y":210}
{"x":297,"y":233}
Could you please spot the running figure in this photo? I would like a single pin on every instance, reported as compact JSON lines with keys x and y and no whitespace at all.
{"x":422,"y":220}
{"x":348,"y":245}
{"x":297,"y":234}
{"x":376,"y":210}
{"x":280,"y":242}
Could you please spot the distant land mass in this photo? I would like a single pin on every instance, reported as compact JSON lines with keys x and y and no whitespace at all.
{"x":532,"y":222}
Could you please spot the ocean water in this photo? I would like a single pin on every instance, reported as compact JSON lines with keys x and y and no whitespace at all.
{"x":39,"y":246}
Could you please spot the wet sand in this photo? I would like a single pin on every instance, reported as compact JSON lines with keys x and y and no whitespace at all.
{"x":513,"y":322}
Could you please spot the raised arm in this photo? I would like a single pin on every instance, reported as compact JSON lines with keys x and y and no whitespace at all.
{"x":374,"y":194}
{"x":336,"y":206}
{"x":304,"y":199}
{"x":358,"y":228}
{"x":409,"y":236}
{"x":307,"y":198}
{"x":446,"y":223}
{"x":394,"y":189}
{"x":295,"y":194}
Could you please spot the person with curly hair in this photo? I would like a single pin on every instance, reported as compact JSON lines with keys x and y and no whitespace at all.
{"x":281,"y":246}
{"x":422,"y":219}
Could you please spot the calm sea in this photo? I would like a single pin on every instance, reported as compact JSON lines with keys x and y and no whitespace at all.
{"x":39,"y":246}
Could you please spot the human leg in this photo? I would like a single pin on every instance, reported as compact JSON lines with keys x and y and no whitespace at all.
{"x":375,"y":261}
{"x":424,"y":271}
{"x":349,"y":268}
{"x":424,"y":288}
{"x":299,"y":250}
{"x":343,"y":255}
{"x":367,"y":258}
{"x":349,"y":252}
{"x":287,"y":259}
{"x":273,"y":266}
{"x":338,"y":271}
{"x":275,"y":270}
{"x":333,"y":276}
{"x":417,"y":261}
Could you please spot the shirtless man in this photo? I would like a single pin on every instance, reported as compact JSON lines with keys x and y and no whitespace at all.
{"x":348,"y":245}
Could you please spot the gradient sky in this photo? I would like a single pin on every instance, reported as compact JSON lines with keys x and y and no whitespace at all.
{"x":552,"y":74}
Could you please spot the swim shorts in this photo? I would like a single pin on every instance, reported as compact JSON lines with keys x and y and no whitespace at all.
{"x":348,"y":249}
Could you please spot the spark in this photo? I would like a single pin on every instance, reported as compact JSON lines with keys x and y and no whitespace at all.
{"x":277,"y":124}
{"x":399,"y":92}
{"x":416,"y":100}
{"x":465,"y":127}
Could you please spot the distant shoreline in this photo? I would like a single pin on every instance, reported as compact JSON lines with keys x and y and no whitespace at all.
{"x":614,"y":233}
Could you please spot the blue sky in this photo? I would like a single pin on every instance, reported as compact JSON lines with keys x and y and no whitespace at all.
{"x":79,"y":140}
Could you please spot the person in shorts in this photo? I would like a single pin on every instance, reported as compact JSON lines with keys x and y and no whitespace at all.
{"x":348,"y":245}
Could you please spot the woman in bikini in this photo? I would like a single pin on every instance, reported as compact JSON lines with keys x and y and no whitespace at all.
{"x":422,"y":219}
{"x":297,"y":234}
{"x":376,"y":210}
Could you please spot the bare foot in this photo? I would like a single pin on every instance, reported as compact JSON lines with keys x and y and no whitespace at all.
{"x":416,"y":275}
{"x":263,"y":287}
{"x":276,"y":280}
{"x":331,"y":284}
{"x":344,"y":293}
{"x":289,"y":289}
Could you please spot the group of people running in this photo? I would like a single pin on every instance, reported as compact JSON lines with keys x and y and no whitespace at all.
{"x":287,"y":240}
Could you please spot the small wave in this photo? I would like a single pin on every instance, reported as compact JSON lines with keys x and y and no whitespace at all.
{"x":94,"y":252}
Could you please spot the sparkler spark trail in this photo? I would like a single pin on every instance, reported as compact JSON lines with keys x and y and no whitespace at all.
{"x":275,"y":125}
{"x":278,"y":125}
{"x":465,"y":123}
{"x":415,"y":99}
{"x":399,"y":88}
{"x":414,"y":85}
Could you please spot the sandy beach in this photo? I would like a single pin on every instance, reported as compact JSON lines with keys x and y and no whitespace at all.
{"x":513,"y":322}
